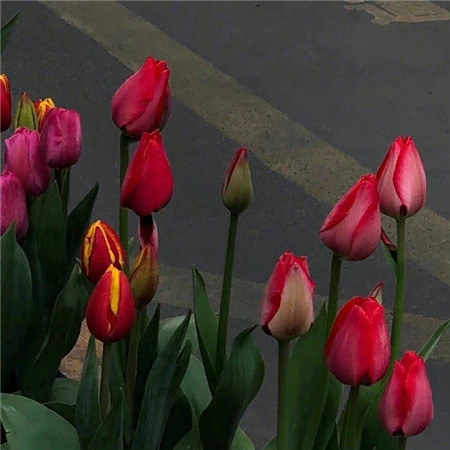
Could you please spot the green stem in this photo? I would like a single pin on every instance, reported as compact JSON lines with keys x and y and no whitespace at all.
{"x":349,"y":441}
{"x":65,"y":190}
{"x":333,"y":294}
{"x":104,"y":382}
{"x":132,"y":359}
{"x":226,"y":291}
{"x":283,"y":395}
{"x":397,"y":322}
{"x":123,"y":219}
{"x":402,"y":443}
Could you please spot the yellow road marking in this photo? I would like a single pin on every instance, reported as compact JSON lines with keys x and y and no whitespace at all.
{"x":283,"y":144}
{"x":385,"y":12}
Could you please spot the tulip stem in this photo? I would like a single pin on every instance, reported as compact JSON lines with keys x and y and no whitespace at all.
{"x":123,"y":218}
{"x":348,"y":440}
{"x":132,"y":359}
{"x":333,"y":295}
{"x":402,"y":443}
{"x":226,"y":292}
{"x":104,"y":381}
{"x":283,"y":395}
{"x":397,"y":322}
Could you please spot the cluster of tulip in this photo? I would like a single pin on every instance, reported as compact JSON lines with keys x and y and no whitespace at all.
{"x":168,"y":398}
{"x":45,"y":137}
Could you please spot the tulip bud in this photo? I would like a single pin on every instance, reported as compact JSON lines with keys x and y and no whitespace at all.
{"x":101,"y":248}
{"x":353,"y":227}
{"x":144,"y":277}
{"x":358,"y":350}
{"x":13,"y":204}
{"x":402,"y":183}
{"x":61,"y":138}
{"x":110,"y":312}
{"x":377,"y":292}
{"x":142,"y":103}
{"x":406,"y":406}
{"x":42,"y":108}
{"x":287,"y":307}
{"x":148,"y":232}
{"x":22,"y":157}
{"x":26,"y":114}
{"x":148,"y":183}
{"x":237,"y":190}
{"x":6,"y":102}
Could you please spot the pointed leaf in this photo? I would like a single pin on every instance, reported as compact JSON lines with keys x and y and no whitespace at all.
{"x":77,"y":223}
{"x":87,"y":411}
{"x":16,"y":303}
{"x":64,"y":410}
{"x":162,"y":385}
{"x":169,"y":325}
{"x":62,"y":335}
{"x":6,"y":31}
{"x":206,"y":323}
{"x":65,"y":390}
{"x":31,"y":426}
{"x":427,"y":349}
{"x":240,"y":381}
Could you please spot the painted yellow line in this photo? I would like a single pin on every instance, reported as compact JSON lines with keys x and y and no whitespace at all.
{"x":283,"y":144}
{"x":385,"y":12}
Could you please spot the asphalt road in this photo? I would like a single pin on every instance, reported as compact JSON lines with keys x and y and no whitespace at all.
{"x":351,"y":83}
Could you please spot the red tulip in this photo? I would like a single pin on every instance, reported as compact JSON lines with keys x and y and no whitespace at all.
{"x":101,"y":248}
{"x":237,"y":190}
{"x":6,"y":102}
{"x":61,"y":138}
{"x":148,"y":232}
{"x":42,"y":108}
{"x":142,"y":103}
{"x":406,"y":407}
{"x":110,"y":312}
{"x":287,"y":307}
{"x":148,"y":182}
{"x":13,"y":204}
{"x":353,"y":227}
{"x":23,"y":158}
{"x":402,"y":183}
{"x":358,"y":350}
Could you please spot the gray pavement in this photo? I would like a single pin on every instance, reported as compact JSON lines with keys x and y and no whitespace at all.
{"x":349,"y":81}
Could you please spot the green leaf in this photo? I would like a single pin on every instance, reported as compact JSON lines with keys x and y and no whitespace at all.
{"x":169,"y":325}
{"x":16,"y":303}
{"x":7,"y":29}
{"x":147,"y":353}
{"x":77,"y":223}
{"x":309,"y":381}
{"x":65,"y":390}
{"x":427,"y":349}
{"x":110,"y":434}
{"x":31,"y":426}
{"x":241,"y":441}
{"x":45,"y":247}
{"x":64,"y":410}
{"x":62,"y":335}
{"x":240,"y":381}
{"x":87,"y":411}
{"x":271,"y":445}
{"x":162,"y":385}
{"x":333,"y":443}
{"x":179,"y":422}
{"x":206,"y":323}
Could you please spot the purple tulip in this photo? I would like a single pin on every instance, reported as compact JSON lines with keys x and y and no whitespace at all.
{"x":23,"y":158}
{"x":61,"y":138}
{"x":13,"y":204}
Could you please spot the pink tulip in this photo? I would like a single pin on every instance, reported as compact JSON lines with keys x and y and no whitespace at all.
{"x":23,"y":158}
{"x":406,"y":407}
{"x":353,"y":227}
{"x":358,"y":350}
{"x":6,"y":102}
{"x":13,"y":204}
{"x":61,"y":137}
{"x":402,"y":183}
{"x":142,"y":103}
{"x":287,"y":307}
{"x":148,"y":182}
